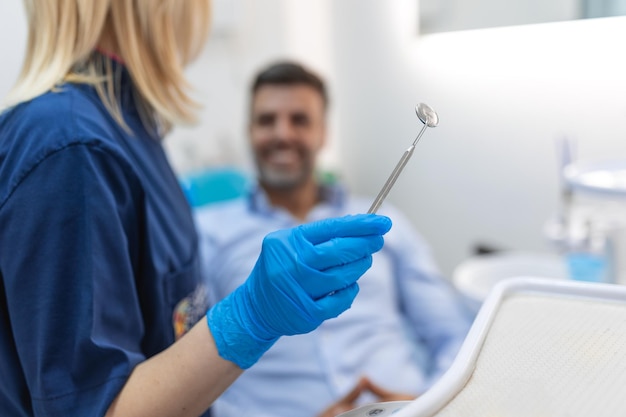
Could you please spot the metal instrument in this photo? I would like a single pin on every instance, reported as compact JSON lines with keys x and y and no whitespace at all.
{"x":430,"y":119}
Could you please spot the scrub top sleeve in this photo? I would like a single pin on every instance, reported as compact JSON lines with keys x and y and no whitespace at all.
{"x":68,"y":240}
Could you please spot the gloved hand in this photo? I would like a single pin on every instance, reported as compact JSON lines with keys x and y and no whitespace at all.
{"x":303,"y":276}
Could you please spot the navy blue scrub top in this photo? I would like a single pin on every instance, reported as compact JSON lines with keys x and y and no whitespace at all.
{"x":98,"y":253}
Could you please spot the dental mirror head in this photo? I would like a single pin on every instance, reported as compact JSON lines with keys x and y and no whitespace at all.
{"x":427,"y":115}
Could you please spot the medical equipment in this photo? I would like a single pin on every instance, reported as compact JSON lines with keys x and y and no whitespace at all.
{"x":538,"y":347}
{"x":380,"y":409}
{"x":430,"y":119}
{"x":590,"y":229}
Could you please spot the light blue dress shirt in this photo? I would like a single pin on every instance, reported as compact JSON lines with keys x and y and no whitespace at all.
{"x":402,"y":331}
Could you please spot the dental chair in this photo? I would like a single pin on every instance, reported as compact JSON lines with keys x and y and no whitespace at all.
{"x":213,"y":185}
{"x":538,"y":347}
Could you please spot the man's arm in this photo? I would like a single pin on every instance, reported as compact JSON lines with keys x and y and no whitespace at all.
{"x":431,"y":304}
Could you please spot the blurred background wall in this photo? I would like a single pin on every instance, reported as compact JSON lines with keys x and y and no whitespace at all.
{"x":486,"y":174}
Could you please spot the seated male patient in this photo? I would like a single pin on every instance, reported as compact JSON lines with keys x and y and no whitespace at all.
{"x":406,"y":324}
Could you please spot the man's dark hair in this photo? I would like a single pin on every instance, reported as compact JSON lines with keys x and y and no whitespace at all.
{"x":290,"y":73}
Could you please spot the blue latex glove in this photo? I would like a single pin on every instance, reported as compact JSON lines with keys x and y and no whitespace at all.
{"x":303,"y":276}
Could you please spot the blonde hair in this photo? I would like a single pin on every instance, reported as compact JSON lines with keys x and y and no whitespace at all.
{"x":155,"y":39}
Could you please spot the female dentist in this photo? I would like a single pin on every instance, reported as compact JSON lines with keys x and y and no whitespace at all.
{"x":99,"y":272}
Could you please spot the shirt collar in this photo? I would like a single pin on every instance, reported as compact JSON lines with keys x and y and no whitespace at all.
{"x":333,"y":196}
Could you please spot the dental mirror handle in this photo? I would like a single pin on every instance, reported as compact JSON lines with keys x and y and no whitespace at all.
{"x":395,"y":174}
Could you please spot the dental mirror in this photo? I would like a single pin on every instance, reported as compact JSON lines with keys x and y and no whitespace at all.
{"x":430,"y":119}
{"x":427,"y":115}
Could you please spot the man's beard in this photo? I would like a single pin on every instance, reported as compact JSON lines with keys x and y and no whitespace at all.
{"x":281,"y":179}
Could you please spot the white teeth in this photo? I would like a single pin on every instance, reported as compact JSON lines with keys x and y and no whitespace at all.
{"x":283,"y":157}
